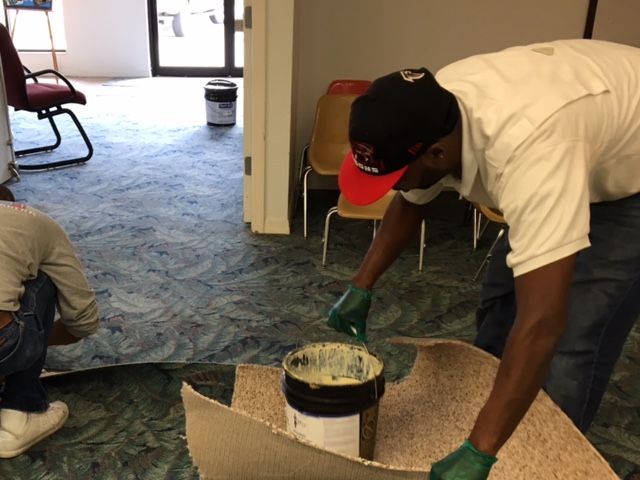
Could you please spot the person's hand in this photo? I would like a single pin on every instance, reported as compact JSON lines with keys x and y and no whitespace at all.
{"x":466,"y":463}
{"x":60,"y":335}
{"x":349,"y":314}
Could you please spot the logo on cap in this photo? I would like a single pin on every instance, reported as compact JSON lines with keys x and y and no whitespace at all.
{"x":411,"y":75}
{"x":364,"y":159}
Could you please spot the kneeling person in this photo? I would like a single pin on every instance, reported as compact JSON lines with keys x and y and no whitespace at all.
{"x":39,"y":271}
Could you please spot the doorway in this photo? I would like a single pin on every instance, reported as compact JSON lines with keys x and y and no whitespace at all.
{"x":200,"y":38}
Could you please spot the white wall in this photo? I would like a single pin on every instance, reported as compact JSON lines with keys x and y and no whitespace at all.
{"x":104,"y":39}
{"x":365,"y":39}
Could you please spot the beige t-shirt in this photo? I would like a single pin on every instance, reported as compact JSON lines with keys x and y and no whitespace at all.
{"x":547,"y":130}
{"x":32,"y":241}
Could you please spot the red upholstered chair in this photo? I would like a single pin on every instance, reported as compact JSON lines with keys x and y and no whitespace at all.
{"x":45,"y":99}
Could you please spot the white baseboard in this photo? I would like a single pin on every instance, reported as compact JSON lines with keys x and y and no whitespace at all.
{"x":277,"y":226}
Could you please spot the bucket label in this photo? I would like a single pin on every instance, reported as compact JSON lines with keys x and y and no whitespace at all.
{"x":338,"y":434}
{"x":221,"y":113}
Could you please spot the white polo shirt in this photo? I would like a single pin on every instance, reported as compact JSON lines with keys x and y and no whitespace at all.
{"x":547,"y":130}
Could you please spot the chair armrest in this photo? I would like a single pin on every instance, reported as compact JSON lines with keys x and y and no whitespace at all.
{"x":33,"y":76}
{"x":29,"y":73}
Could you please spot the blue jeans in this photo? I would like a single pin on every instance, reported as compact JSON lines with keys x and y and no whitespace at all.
{"x":23,"y":347}
{"x":604,"y":305}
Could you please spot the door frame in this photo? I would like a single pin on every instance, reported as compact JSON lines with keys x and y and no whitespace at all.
{"x":230,"y":27}
{"x":268,"y":115}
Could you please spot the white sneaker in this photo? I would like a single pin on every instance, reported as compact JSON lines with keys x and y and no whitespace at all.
{"x":19,"y":431}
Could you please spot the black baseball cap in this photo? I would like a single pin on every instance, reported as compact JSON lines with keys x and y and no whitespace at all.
{"x":392,"y":124}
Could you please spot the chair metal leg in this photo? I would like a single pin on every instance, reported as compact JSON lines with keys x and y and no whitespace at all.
{"x":482,"y":228}
{"x":375,"y":228}
{"x":14,"y":170}
{"x":298,"y":187}
{"x":423,"y":240}
{"x":489,"y":253}
{"x":49,"y":114}
{"x":468,"y":211}
{"x":303,"y":162}
{"x":305,"y":193}
{"x":478,"y":227}
{"x":48,"y":148}
{"x":325,"y":239}
{"x":475,"y":229}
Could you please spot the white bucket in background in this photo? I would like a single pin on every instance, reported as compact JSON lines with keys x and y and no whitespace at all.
{"x":220,"y":97}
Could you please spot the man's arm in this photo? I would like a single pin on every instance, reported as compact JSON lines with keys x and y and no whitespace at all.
{"x":398,"y":226}
{"x":542,"y":297}
{"x":76,"y":300}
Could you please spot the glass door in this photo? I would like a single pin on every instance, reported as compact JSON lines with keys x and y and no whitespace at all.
{"x":196,"y":37}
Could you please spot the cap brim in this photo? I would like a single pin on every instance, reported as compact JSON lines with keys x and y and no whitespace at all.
{"x":360,"y":188}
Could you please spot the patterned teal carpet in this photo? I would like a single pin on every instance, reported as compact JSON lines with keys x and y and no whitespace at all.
{"x":185,"y":288}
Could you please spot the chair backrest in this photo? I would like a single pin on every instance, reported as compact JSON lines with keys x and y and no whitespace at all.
{"x":13,"y":72}
{"x":338,"y":87}
{"x":330,"y":138}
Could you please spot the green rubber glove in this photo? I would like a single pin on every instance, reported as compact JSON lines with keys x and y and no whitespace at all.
{"x":349,"y":314}
{"x":466,"y":463}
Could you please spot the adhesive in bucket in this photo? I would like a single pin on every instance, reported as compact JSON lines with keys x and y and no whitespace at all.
{"x":220,"y":97}
{"x":332,"y":392}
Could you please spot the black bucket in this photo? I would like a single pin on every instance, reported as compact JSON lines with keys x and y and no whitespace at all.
{"x":220,"y":96}
{"x":332,"y":392}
